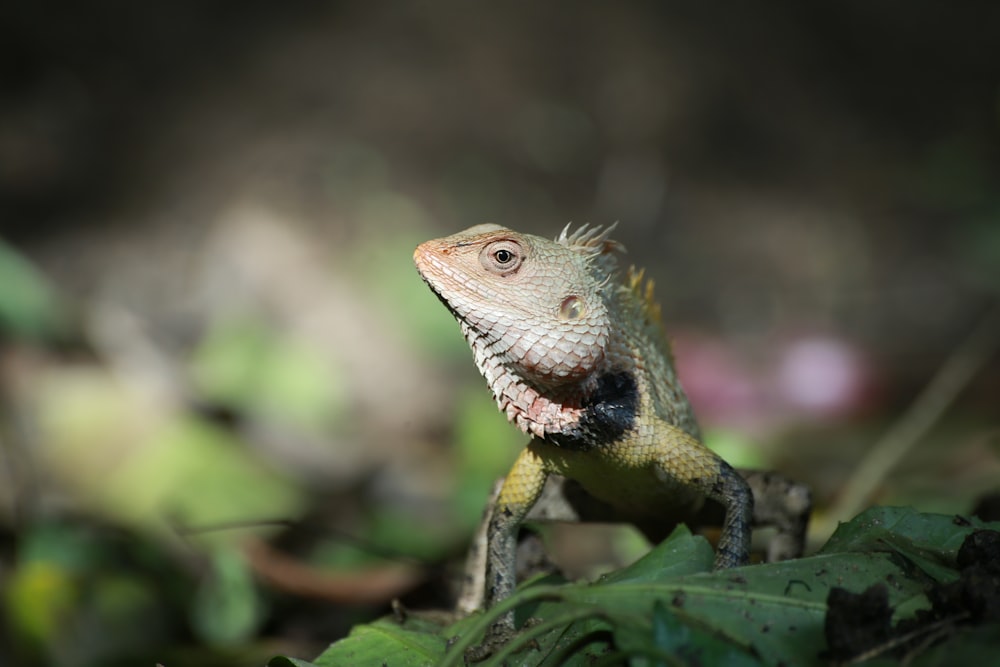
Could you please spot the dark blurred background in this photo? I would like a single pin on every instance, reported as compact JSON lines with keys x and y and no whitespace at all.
{"x":233,"y":422}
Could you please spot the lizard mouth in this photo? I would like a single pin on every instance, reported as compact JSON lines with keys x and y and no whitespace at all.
{"x":424,"y":259}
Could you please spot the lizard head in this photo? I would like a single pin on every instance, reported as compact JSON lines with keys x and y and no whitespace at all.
{"x":527,"y":305}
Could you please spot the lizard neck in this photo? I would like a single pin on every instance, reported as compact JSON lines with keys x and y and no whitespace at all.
{"x":609,"y":412}
{"x":582,"y":415}
{"x":534,"y":410}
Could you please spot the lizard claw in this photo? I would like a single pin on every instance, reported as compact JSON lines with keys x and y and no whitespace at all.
{"x":492,"y":642}
{"x":498,"y":636}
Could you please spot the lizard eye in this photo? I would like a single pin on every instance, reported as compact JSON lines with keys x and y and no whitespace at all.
{"x":502,"y":257}
{"x":571,"y":308}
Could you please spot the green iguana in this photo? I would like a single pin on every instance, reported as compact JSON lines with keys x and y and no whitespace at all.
{"x":580,"y":362}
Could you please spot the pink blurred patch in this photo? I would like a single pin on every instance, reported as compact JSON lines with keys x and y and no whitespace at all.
{"x":822,"y":376}
{"x":809,"y":377}
{"x":712,"y":376}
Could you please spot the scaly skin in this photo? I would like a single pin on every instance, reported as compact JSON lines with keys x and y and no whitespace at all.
{"x":581,"y":364}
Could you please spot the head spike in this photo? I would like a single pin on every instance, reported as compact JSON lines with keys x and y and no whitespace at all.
{"x":590,"y":240}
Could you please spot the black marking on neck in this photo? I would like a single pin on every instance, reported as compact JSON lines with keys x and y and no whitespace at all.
{"x":608,"y":413}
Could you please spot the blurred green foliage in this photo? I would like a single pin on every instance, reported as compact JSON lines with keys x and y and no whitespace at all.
{"x":248,"y":365}
{"x":82,"y":593}
{"x":143,"y":469}
{"x":736,"y":448}
{"x":392,"y":225}
{"x":29,"y":306}
{"x":140,"y":462}
{"x":485,"y":447}
{"x":228,"y":608}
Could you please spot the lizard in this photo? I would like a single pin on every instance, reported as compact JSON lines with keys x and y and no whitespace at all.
{"x":579,"y":361}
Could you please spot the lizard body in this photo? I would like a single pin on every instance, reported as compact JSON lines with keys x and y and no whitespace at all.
{"x":579,"y":362}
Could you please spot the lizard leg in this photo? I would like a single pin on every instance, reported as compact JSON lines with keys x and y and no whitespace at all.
{"x":733,"y":492}
{"x":685,"y":465}
{"x":520,"y":490}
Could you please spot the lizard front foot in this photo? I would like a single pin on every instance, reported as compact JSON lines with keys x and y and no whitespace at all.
{"x":491,"y":644}
{"x":497,"y":636}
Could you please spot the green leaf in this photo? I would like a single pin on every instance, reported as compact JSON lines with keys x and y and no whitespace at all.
{"x":969,"y":646}
{"x":668,"y":609}
{"x":681,"y":553}
{"x":935,"y":532}
{"x":282,"y":661}
{"x":928,"y":542}
{"x":672,"y":640}
{"x":414,"y":643}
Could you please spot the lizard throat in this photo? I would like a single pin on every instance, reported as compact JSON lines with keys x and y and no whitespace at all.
{"x":597,"y":411}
